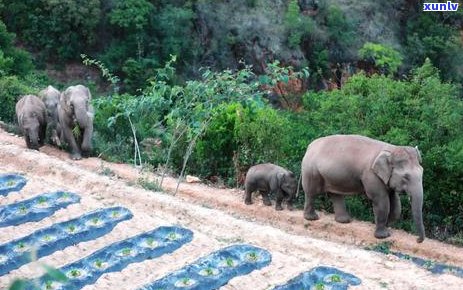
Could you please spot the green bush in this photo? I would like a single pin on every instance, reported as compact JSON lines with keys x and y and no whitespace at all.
{"x":11,"y":89}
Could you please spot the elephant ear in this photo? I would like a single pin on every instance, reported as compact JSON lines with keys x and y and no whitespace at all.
{"x":418,"y":153}
{"x":382,"y":166}
{"x":281,"y":178}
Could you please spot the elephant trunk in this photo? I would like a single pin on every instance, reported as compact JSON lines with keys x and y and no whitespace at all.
{"x":416,"y":196}
{"x":33,"y":136}
{"x":81,"y":116}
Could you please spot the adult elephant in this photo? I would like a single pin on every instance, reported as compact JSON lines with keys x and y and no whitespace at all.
{"x":76,"y":119}
{"x":348,"y":164}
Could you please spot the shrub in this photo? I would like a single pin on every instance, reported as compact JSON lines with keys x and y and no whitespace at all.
{"x":423,"y":112}
{"x":382,"y":56}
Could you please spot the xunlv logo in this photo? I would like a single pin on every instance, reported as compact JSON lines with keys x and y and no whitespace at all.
{"x":449,"y":6}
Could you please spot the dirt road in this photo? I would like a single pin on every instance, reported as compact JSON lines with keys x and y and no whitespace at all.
{"x":218,"y":218}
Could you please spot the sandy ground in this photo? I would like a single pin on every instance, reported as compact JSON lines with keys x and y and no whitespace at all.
{"x":218,"y":218}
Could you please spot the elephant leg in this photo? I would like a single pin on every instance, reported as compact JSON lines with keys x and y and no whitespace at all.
{"x":28,"y":141}
{"x":266,"y":198}
{"x":42,"y":134}
{"x":395,"y":208}
{"x":289,"y":202}
{"x":69,"y":136}
{"x":381,"y":208}
{"x":339,"y":205}
{"x":279,"y":200}
{"x":86,"y":141}
{"x":248,"y":194}
{"x":311,"y":186}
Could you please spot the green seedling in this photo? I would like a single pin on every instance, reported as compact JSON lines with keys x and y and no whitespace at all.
{"x":21,"y":246}
{"x":42,"y":200}
{"x":186,"y":281}
{"x":429,"y":264}
{"x":22,"y":209}
{"x":47,"y":238}
{"x":208,"y":271}
{"x":150,"y":242}
{"x":98,"y":263}
{"x":65,"y":195}
{"x":173,"y":236}
{"x":229,"y":262}
{"x":335,"y":278}
{"x":126,"y":251}
{"x":49,"y":284}
{"x":75,"y":273}
{"x":10,"y":183}
{"x":252,"y":256}
{"x":72,"y":228}
{"x":95,"y":221}
{"x":319,"y":286}
{"x":115,"y":214}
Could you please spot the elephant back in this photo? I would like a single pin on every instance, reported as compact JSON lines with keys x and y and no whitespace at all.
{"x":30,"y":105}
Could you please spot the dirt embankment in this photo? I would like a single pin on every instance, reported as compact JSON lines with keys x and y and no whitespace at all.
{"x":222,"y":215}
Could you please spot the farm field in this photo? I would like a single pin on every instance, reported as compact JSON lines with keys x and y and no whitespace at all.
{"x":217,"y":218}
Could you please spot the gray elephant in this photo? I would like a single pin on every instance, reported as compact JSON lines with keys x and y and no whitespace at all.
{"x":348,"y":164}
{"x":32,"y":120}
{"x":75,"y":114}
{"x":50,"y":97}
{"x":267,"y":178}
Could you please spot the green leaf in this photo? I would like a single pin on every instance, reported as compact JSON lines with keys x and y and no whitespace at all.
{"x":55,"y":274}
{"x":18,"y":284}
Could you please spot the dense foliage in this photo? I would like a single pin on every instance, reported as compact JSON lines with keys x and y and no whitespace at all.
{"x":190,"y":81}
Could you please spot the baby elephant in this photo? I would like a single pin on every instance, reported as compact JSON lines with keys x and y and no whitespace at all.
{"x":32,"y":119}
{"x":268,"y":178}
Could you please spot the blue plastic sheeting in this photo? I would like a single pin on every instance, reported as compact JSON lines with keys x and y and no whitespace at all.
{"x":11,"y":182}
{"x":117,"y":256}
{"x":36,"y":208}
{"x":216,"y":269}
{"x":436,"y":268}
{"x":321,"y":278}
{"x":48,"y":240}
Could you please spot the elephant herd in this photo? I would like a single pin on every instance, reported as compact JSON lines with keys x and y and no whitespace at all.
{"x":341,"y":165}
{"x":67,"y":116}
{"x":337,"y":165}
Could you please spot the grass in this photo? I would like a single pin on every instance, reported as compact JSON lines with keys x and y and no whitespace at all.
{"x":320,"y":286}
{"x":383,"y":247}
{"x":149,"y":185}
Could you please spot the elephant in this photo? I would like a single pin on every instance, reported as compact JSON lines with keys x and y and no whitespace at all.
{"x":32,"y":120}
{"x":75,"y":114}
{"x":343,"y":165}
{"x":50,"y":97}
{"x":268,"y":178}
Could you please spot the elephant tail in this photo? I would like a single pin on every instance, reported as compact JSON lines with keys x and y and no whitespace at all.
{"x":298,"y":185}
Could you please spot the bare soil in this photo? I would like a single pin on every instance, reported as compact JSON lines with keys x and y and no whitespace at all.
{"x":218,"y":217}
